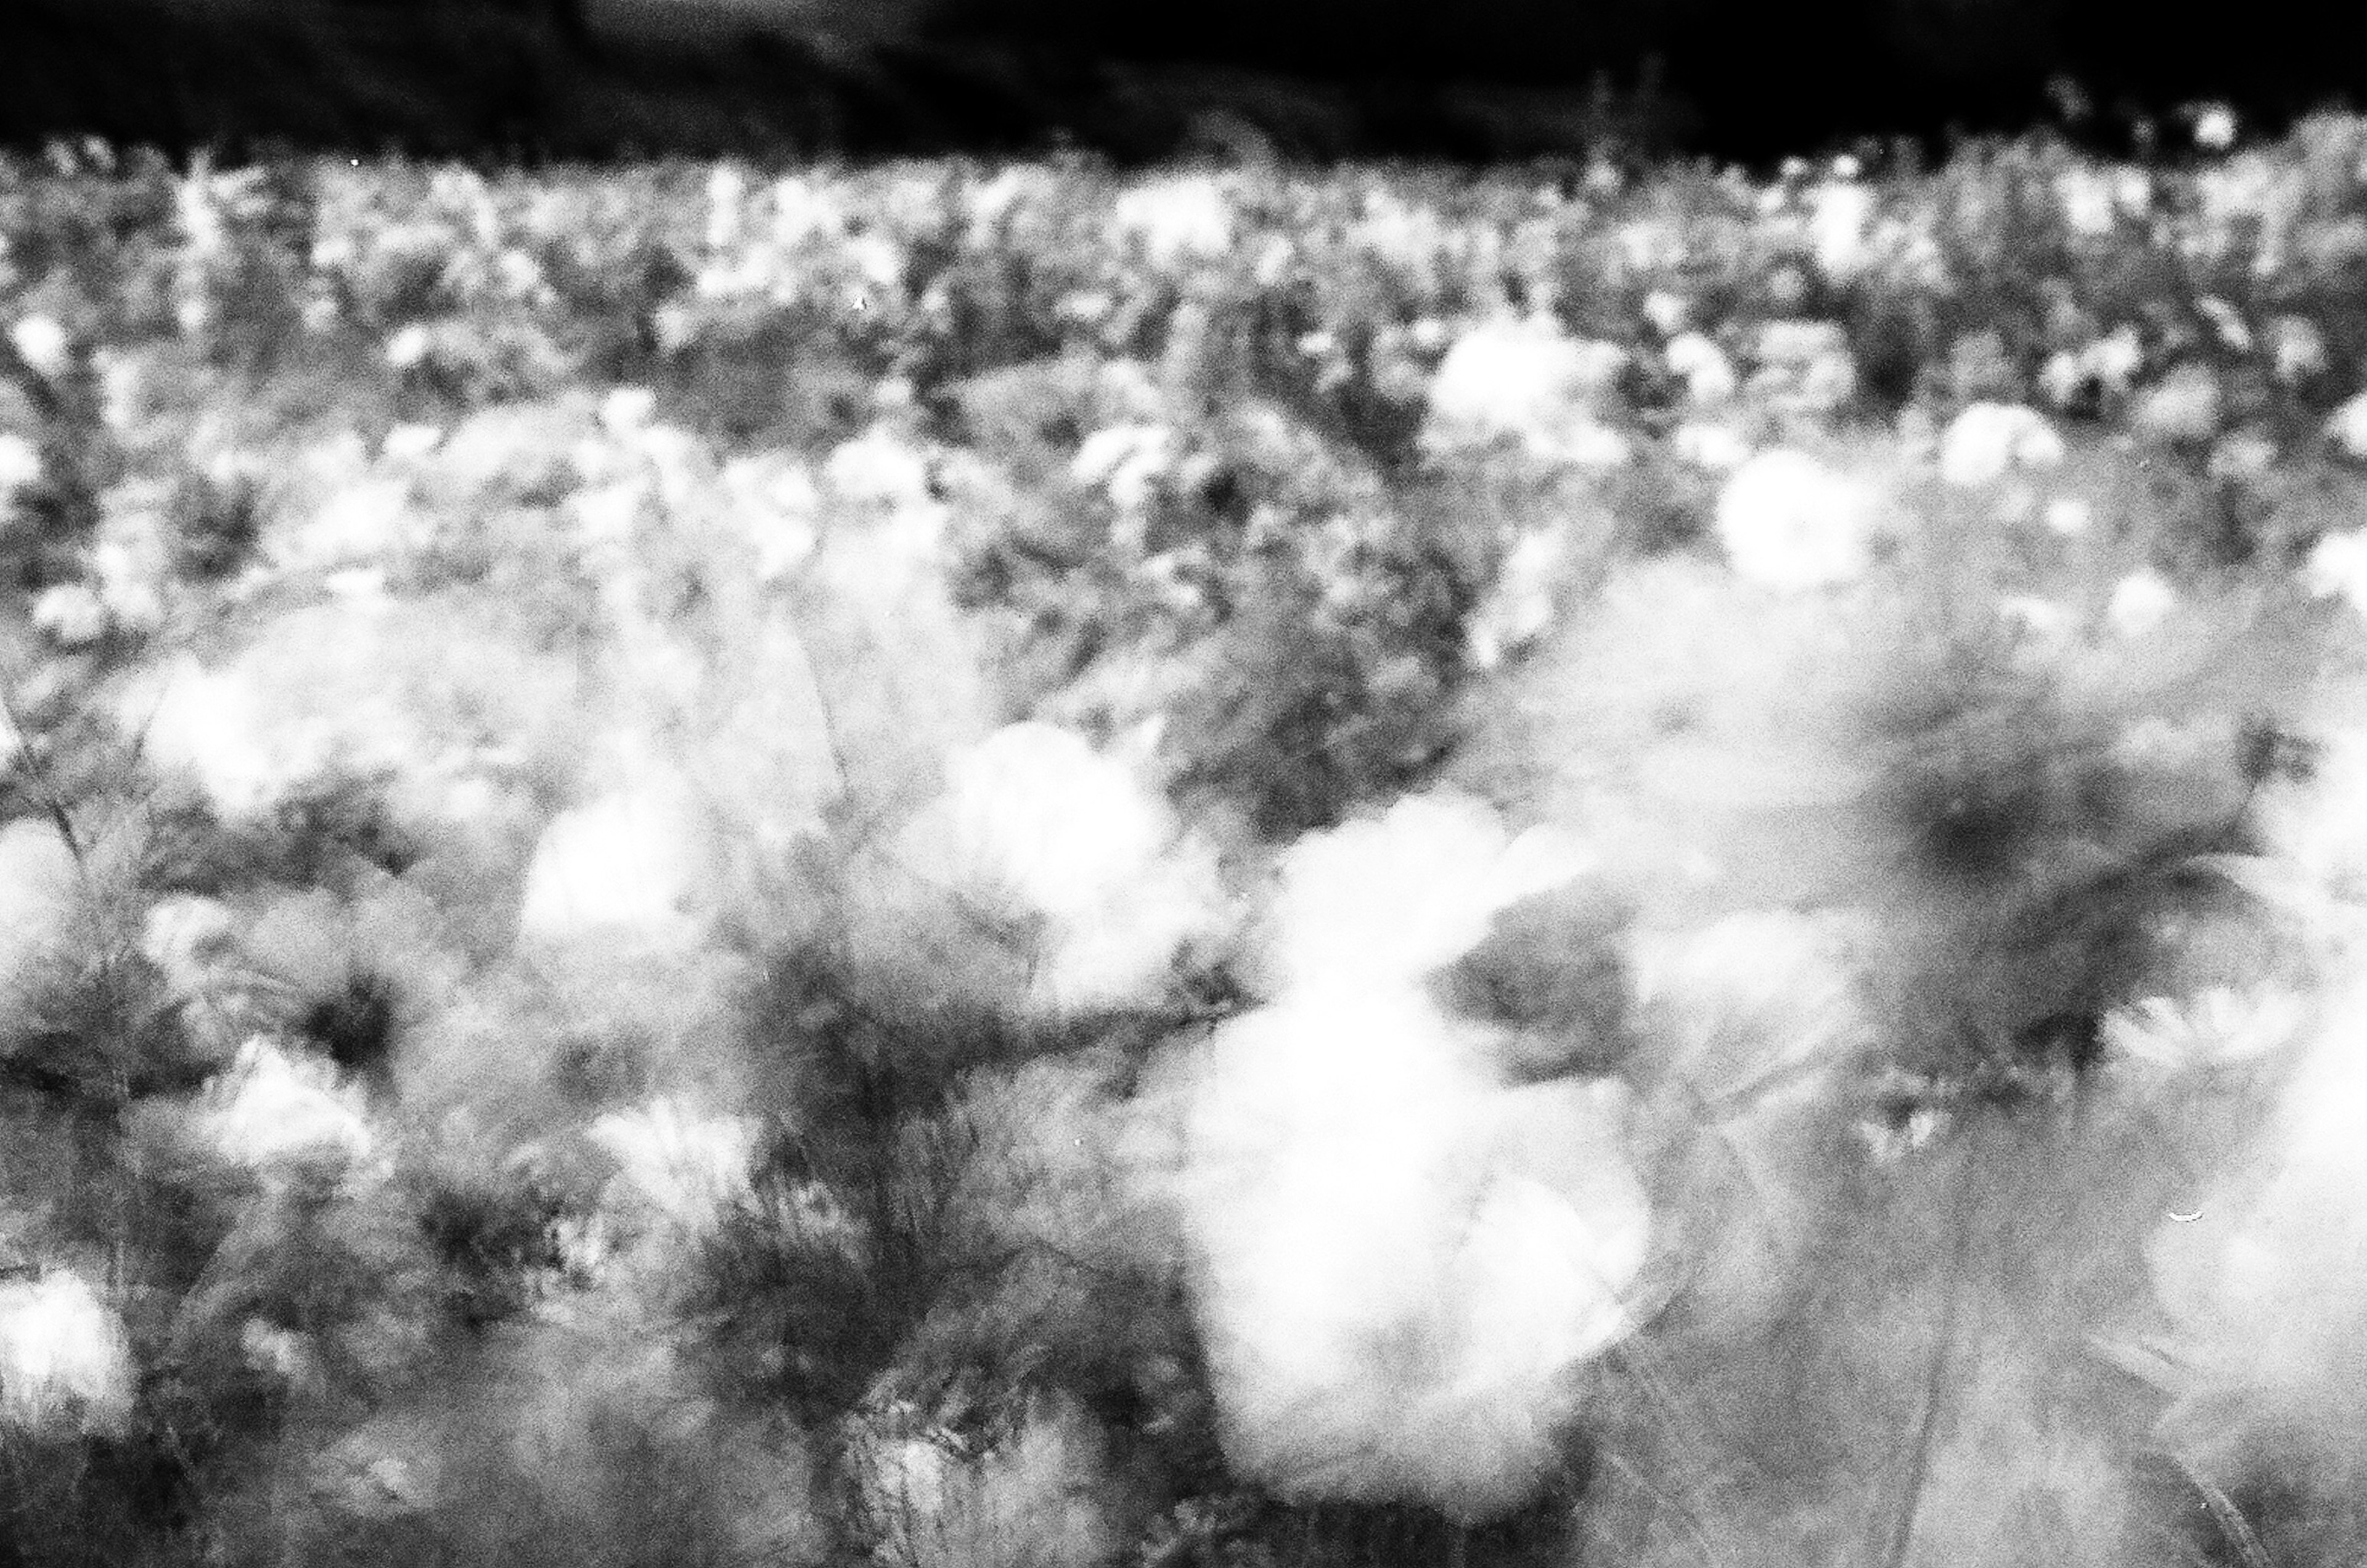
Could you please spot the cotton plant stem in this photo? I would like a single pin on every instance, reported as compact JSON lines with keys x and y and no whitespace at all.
{"x":1901,"y":1535}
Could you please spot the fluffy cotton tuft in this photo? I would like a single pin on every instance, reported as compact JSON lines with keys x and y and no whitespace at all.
{"x":1393,"y":898}
{"x":1035,"y":822}
{"x":1526,"y":381}
{"x":20,"y":464}
{"x":272,"y":1110}
{"x":1402,"y":1261}
{"x":40,"y":895}
{"x":688,"y":1167}
{"x":624,"y":864}
{"x":1175,"y":220}
{"x":1792,"y":524}
{"x":1989,"y":441}
{"x":65,"y":1362}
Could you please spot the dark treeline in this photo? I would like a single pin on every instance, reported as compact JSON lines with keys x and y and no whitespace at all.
{"x":1319,"y":78}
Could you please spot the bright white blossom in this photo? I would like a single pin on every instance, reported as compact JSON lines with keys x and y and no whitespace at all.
{"x":408,"y":347}
{"x":1125,"y":462}
{"x":2337,"y":567}
{"x":687,"y":1166}
{"x":1989,"y":440}
{"x":20,"y":464}
{"x":1719,"y":448}
{"x":42,"y":343}
{"x":1709,"y":374}
{"x":2347,"y":427}
{"x":1839,"y":215}
{"x":2219,"y":1026}
{"x":1521,"y":603}
{"x":1790,"y":523}
{"x":2296,"y":349}
{"x":1668,"y":312}
{"x":1035,"y":821}
{"x":71,"y":614}
{"x":624,"y":864}
{"x":274,"y":1110}
{"x":2068,"y":516}
{"x":409,"y":443}
{"x":40,"y":890}
{"x":2140,"y":601}
{"x":1523,"y":379}
{"x":2184,"y":406}
{"x":1182,"y":218}
{"x":65,"y":1360}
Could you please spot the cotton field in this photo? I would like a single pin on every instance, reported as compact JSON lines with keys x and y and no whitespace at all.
{"x":955,"y":865}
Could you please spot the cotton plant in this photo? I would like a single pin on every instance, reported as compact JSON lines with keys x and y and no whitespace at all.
{"x":1036,"y":1497}
{"x":2254,"y":1327}
{"x":1403,"y":1260}
{"x":65,"y":1359}
{"x":1525,"y":379}
{"x":1795,"y":524}
{"x":1036,"y":823}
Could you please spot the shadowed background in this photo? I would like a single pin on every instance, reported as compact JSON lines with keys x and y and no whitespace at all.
{"x":1493,"y":78}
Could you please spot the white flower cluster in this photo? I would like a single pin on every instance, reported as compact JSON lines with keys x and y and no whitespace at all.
{"x":1790,"y":523}
{"x":1402,"y":1258}
{"x":1525,"y":381}
{"x":65,"y":1362}
{"x":1036,"y":823}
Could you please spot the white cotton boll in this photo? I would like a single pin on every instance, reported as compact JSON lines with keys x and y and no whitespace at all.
{"x":20,"y":464}
{"x":1791,"y":523}
{"x":410,"y":346}
{"x":2296,"y":349}
{"x":1715,"y":448}
{"x":1839,"y":217}
{"x":2140,"y":601}
{"x":1521,"y":606}
{"x":1123,"y":462}
{"x":627,"y":411}
{"x":65,"y":1360}
{"x":2262,"y":1286}
{"x":780,"y":508}
{"x":1393,"y":898}
{"x":624,"y":865}
{"x":2184,"y":406}
{"x":689,"y":1167}
{"x":71,"y":615}
{"x":2219,"y":1027}
{"x":41,"y":891}
{"x":2214,"y":127}
{"x":1748,"y":997}
{"x":1037,"y":812}
{"x":1522,"y":379}
{"x":182,"y":936}
{"x":2320,"y":823}
{"x":1400,"y":1259}
{"x":1180,"y":218}
{"x":210,"y":724}
{"x":878,"y":468}
{"x":1035,"y":821}
{"x":1989,"y":441}
{"x":359,"y":521}
{"x":1668,"y":312}
{"x":2090,"y":204}
{"x":1123,"y":950}
{"x":2347,"y":428}
{"x":2068,"y":517}
{"x":1708,"y":374}
{"x":43,"y":345}
{"x":270,"y":1111}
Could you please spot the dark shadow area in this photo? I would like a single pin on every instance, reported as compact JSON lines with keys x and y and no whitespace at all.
{"x":1315,"y":79}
